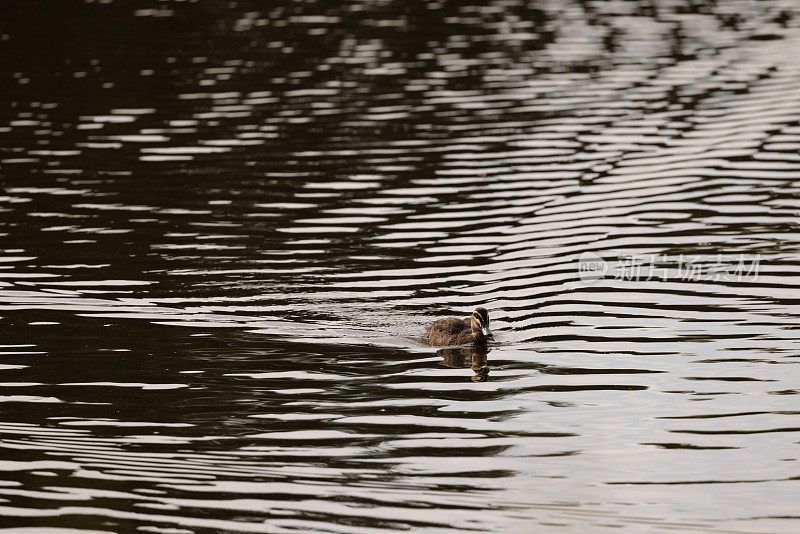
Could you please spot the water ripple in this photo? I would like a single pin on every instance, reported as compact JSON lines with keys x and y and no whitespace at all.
{"x":219,"y":252}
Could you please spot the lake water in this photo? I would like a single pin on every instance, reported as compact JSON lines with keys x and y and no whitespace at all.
{"x":223,"y":226}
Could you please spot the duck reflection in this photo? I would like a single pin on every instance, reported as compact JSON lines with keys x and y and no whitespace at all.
{"x":474,"y":357}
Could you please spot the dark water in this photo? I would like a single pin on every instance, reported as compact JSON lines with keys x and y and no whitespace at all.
{"x":223,"y":226}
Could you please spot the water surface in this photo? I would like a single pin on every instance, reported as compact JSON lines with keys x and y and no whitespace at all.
{"x":223,"y":227}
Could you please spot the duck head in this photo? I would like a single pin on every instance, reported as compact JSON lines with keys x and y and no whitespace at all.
{"x":480,"y":322}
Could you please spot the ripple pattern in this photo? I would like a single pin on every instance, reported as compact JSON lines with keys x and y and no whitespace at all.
{"x":217,"y":252}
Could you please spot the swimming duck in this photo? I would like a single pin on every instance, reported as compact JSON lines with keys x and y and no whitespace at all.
{"x":454,"y":331}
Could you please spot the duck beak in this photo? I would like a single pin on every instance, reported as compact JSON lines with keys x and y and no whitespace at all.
{"x":486,"y":332}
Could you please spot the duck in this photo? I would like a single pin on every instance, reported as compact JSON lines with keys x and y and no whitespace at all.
{"x":454,"y":331}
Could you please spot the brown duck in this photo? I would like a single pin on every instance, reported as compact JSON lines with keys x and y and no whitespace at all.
{"x":454,"y":331}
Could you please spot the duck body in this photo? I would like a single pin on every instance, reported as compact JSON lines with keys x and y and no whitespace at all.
{"x":473,"y":330}
{"x":453,"y":331}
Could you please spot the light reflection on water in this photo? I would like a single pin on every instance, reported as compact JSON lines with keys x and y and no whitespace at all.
{"x":218,"y":254}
